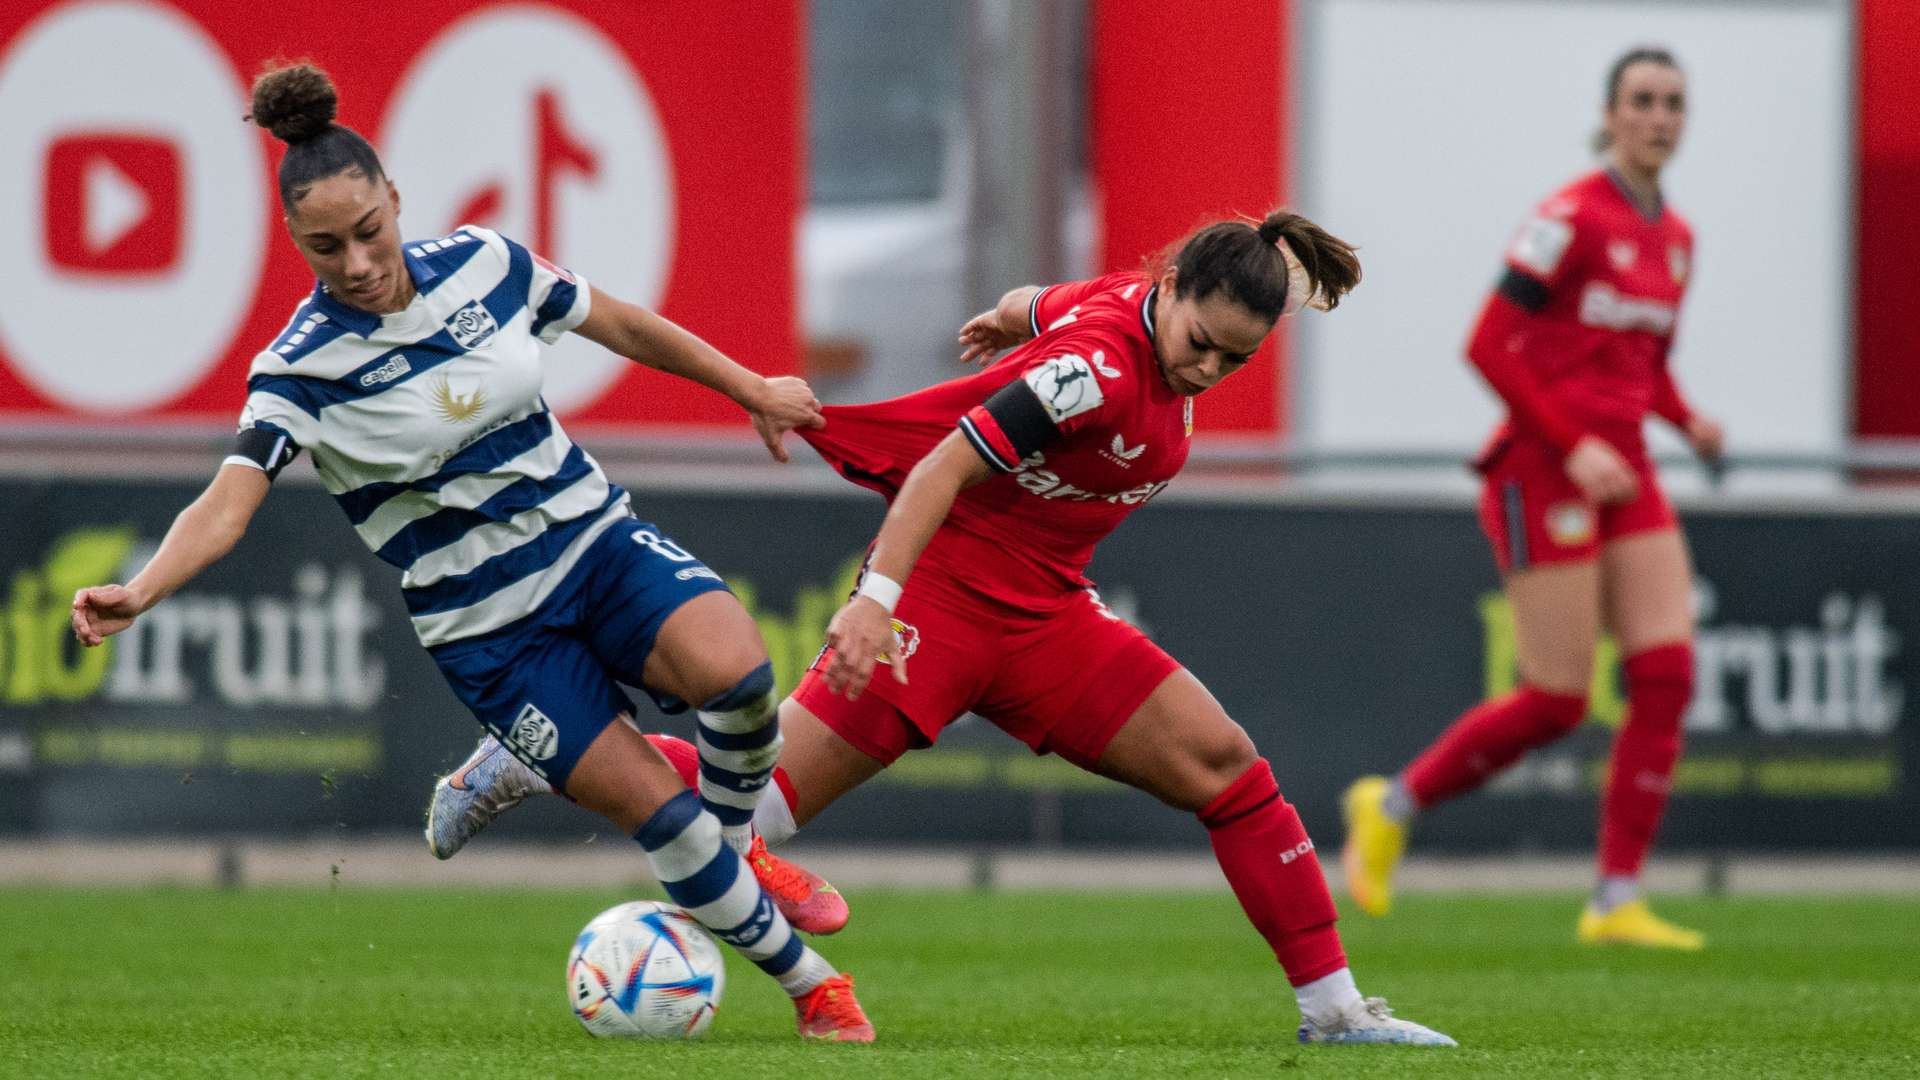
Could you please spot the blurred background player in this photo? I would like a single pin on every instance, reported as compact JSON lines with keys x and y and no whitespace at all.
{"x":413,"y":375}
{"x":1575,"y":339}
{"x":978,"y":574}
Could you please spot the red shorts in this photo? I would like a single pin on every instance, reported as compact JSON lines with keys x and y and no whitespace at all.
{"x":1061,"y":682}
{"x":1534,"y":514}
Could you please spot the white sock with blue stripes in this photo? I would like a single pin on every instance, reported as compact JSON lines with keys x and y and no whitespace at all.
{"x":739,"y":742}
{"x":714,"y":884}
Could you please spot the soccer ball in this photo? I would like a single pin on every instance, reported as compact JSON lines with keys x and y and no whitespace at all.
{"x":645,"y":970}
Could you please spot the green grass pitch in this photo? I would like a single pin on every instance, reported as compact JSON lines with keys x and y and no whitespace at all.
{"x":351,"y":982}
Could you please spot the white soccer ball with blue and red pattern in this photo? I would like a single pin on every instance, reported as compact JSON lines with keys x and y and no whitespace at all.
{"x":645,"y":970}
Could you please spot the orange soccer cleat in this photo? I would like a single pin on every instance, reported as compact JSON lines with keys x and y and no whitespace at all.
{"x":804,"y":897}
{"x":829,"y":1013}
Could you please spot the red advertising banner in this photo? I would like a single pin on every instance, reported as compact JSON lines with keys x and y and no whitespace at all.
{"x":1190,"y":106}
{"x":655,"y":148}
{"x":1887,"y":271}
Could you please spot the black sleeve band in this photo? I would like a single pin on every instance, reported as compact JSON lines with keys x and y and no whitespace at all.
{"x":1524,"y":289}
{"x":270,"y":450}
{"x":1022,"y":418}
{"x":1033,"y":309}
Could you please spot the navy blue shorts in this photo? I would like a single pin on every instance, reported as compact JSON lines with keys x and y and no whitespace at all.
{"x":548,"y":684}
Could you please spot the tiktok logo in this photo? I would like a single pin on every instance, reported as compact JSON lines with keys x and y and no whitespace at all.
{"x":558,"y":146}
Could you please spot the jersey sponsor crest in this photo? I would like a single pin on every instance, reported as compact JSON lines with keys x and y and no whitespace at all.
{"x":472,"y":325}
{"x":1066,"y":387}
{"x":1540,"y":245}
{"x":456,"y":408}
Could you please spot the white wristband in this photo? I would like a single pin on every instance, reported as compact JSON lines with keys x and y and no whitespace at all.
{"x":879,"y":588}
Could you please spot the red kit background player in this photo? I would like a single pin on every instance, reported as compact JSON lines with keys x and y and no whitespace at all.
{"x":1575,"y":340}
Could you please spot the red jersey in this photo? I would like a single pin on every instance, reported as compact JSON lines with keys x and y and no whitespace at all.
{"x":1597,"y":283}
{"x":1078,"y":421}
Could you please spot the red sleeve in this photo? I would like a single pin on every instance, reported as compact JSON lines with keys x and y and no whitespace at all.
{"x":1667,"y":402}
{"x":1544,"y":259}
{"x":1498,"y":349}
{"x":1054,"y":302}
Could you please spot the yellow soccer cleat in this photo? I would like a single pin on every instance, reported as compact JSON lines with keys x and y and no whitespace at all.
{"x":1633,"y":923}
{"x":1375,"y":843}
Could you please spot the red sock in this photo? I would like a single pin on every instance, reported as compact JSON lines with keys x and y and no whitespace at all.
{"x":682,"y":755}
{"x":1659,"y":685}
{"x":1269,"y":861}
{"x":685,"y":759}
{"x":1489,"y":737}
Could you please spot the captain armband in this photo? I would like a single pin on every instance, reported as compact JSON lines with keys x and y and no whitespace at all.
{"x":1525,"y":290}
{"x":263,"y":449}
{"x":1009,"y":425}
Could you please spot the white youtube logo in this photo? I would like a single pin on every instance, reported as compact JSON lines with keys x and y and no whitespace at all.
{"x":132,"y":211}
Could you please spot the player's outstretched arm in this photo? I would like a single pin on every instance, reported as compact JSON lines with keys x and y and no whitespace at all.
{"x":777,"y":405}
{"x":863,"y":629}
{"x":1001,"y":327}
{"x":206,"y":530}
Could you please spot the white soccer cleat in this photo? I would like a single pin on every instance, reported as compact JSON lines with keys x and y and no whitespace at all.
{"x":489,"y":783}
{"x":1371,"y":1022}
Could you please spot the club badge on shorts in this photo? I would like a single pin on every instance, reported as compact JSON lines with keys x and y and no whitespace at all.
{"x":1570,"y":524}
{"x":908,"y":635}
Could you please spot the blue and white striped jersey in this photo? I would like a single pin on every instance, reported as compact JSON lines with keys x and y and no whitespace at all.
{"x":428,"y":428}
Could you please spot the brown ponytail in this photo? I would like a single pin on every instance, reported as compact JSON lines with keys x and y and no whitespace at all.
{"x":1330,"y":261}
{"x":1242,"y":259}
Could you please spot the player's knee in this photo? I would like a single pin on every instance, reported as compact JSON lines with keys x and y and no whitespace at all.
{"x":1554,"y":714}
{"x":748,"y":704}
{"x":1659,"y":684}
{"x":1209,"y":764}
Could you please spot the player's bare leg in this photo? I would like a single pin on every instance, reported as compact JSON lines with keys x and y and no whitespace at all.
{"x":1556,"y":613}
{"x":1647,"y":599}
{"x":1181,"y":747}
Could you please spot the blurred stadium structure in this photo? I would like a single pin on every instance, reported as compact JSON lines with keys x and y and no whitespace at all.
{"x":830,"y":188}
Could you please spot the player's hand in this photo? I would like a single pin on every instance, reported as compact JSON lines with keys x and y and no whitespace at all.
{"x":859,"y":633}
{"x":1707,"y":437}
{"x":1600,"y":472}
{"x":983,"y":336}
{"x":782,"y":404}
{"x":102,"y":611}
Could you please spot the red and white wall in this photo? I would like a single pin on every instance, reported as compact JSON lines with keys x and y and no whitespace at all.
{"x":659,"y":149}
{"x":656,"y":148}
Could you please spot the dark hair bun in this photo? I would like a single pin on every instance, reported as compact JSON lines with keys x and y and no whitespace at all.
{"x":1273,"y":227}
{"x":295,"y":102}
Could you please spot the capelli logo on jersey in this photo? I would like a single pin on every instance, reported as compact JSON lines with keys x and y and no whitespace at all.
{"x":472,"y":325}
{"x":387,"y":372}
